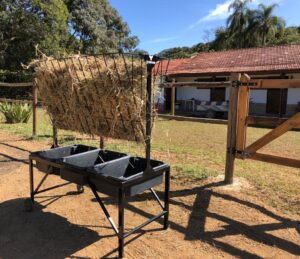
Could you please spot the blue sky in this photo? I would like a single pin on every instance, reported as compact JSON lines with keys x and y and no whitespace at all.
{"x":162,"y":24}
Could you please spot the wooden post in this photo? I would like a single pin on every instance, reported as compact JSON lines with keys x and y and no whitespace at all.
{"x":242,"y":113}
{"x":173,"y":89}
{"x":101,"y":142}
{"x":55,"y":139}
{"x":231,"y":130}
{"x":34,"y":111}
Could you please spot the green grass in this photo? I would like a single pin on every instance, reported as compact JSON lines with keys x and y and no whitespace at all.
{"x":197,"y":150}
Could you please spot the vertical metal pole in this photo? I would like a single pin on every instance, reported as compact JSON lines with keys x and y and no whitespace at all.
{"x":150,"y":65}
{"x":167,"y":197}
{"x":121,"y":222}
{"x":31,"y":180}
{"x":34,"y":113}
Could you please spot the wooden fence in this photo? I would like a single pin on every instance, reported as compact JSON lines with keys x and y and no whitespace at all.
{"x":239,"y":119}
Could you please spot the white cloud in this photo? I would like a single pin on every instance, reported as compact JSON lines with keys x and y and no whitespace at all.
{"x":221,"y":12}
{"x":159,"y":40}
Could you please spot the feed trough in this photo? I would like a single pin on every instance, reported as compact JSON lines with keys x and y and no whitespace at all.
{"x":75,"y":167}
{"x":48,"y":161}
{"x":130,"y":176}
{"x":124,"y":110}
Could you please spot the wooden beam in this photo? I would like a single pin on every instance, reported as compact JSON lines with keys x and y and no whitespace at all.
{"x":200,"y":85}
{"x":289,"y":124}
{"x":275,"y":83}
{"x":276,"y":160}
{"x":231,"y":131}
{"x":192,"y":119}
{"x":266,"y":121}
{"x":173,"y":97}
{"x":242,"y":113}
{"x":15,"y":84}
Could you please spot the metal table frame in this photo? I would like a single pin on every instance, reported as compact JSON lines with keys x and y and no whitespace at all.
{"x":119,"y":230}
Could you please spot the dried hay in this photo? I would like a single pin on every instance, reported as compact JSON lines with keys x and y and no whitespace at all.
{"x":95,"y":95}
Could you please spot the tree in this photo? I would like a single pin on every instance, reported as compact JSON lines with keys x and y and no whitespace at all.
{"x":179,"y":52}
{"x":96,"y":27}
{"x":289,"y":35}
{"x":57,"y":27}
{"x":27,"y":23}
{"x":223,"y":40}
{"x":266,"y":23}
{"x":237,"y":22}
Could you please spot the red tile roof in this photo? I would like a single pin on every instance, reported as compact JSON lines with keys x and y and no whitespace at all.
{"x":168,"y":66}
{"x":269,"y":59}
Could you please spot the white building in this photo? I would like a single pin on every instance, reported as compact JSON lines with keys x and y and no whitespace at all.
{"x":279,"y":62}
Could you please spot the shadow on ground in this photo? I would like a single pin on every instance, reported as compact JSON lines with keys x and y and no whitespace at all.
{"x":39,"y":234}
{"x":199,"y":214}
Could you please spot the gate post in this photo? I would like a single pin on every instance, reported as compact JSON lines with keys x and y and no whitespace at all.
{"x":232,"y":128}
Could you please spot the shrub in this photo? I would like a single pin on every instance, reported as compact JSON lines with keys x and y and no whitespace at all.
{"x":16,"y":112}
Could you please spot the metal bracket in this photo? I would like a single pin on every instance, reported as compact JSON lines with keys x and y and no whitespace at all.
{"x":231,"y":150}
{"x":235,"y":84}
{"x":246,"y":83}
{"x":243,"y":154}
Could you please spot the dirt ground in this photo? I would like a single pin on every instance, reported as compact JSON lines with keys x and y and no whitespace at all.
{"x":207,"y":220}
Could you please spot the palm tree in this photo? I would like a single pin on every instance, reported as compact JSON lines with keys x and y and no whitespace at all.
{"x":267,"y":23}
{"x":237,"y":22}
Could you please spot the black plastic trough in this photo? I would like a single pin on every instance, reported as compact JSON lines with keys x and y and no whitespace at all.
{"x":49,"y":161}
{"x":75,"y":167}
{"x":130,"y":175}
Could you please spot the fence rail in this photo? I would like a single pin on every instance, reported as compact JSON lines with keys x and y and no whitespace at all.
{"x":6,"y":100}
{"x":16,"y":84}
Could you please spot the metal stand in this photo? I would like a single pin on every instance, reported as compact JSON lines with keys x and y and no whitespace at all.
{"x":150,"y":177}
{"x":33,"y":191}
{"x":121,"y":209}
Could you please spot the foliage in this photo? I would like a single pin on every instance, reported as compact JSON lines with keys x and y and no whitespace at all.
{"x":16,"y":112}
{"x":237,"y":22}
{"x":96,"y":27}
{"x":58,"y":27}
{"x":290,"y":35}
{"x":26,"y":23}
{"x":179,"y":52}
{"x":184,"y":52}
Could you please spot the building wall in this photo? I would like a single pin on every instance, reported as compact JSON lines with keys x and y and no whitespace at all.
{"x":187,"y":93}
{"x":258,"y":98}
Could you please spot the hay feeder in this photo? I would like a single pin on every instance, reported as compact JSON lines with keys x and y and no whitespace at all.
{"x":110,"y":96}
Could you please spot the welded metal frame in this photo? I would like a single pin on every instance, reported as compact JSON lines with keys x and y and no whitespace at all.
{"x":33,"y":190}
{"x":119,"y":230}
{"x":121,"y":197}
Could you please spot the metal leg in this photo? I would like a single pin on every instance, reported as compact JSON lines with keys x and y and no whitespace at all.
{"x":167,"y":191}
{"x":103,"y":208}
{"x":121,"y":223}
{"x":31,"y":180}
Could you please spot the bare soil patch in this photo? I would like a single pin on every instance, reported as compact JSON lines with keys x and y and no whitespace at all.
{"x":207,"y":220}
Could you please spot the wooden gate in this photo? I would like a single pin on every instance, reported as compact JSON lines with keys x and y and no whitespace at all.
{"x":239,"y":119}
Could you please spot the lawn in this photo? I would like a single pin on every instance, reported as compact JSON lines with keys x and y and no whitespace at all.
{"x":197,"y":150}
